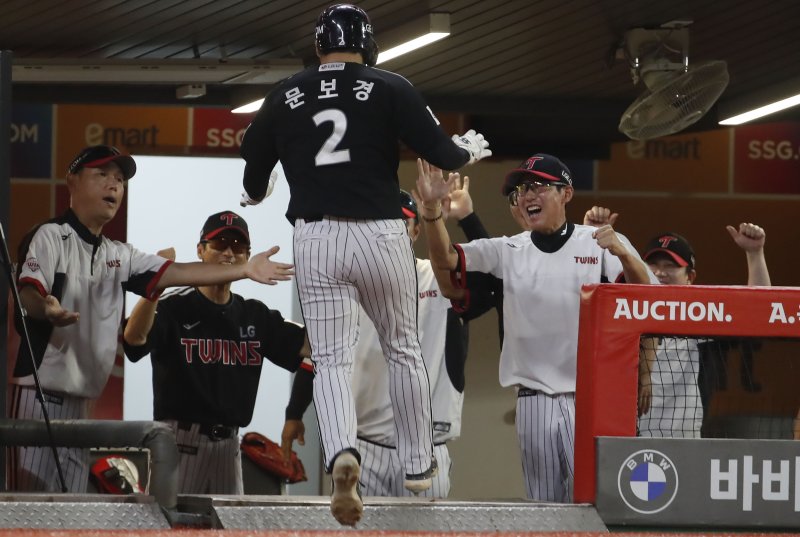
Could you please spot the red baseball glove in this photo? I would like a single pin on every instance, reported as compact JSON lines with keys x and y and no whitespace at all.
{"x":267,"y":454}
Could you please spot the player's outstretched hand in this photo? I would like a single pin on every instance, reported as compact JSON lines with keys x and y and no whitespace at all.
{"x":56,"y":314}
{"x":167,"y":253}
{"x":460,"y":200}
{"x":475,"y":144}
{"x":599,"y":216}
{"x":749,"y":237}
{"x":431,"y":186}
{"x":292,"y":430}
{"x":262,"y":269}
{"x":607,"y":239}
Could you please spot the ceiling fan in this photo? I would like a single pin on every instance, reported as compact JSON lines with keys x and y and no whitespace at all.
{"x":677,"y":93}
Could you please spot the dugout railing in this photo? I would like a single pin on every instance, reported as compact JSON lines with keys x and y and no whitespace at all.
{"x":613,"y":318}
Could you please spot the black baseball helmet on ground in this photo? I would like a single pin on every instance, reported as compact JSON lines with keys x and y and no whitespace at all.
{"x":345,"y":27}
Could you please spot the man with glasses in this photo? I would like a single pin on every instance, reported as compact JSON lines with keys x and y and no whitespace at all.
{"x":71,"y":280}
{"x":543,"y":269}
{"x":207,"y":346}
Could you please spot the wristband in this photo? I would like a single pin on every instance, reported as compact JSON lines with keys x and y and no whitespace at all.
{"x":429,"y":220}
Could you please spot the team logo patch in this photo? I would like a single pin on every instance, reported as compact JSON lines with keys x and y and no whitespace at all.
{"x":334,"y":66}
{"x":32,"y":264}
{"x":647,"y":481}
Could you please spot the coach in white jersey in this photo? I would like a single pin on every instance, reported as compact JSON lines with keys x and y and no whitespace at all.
{"x":335,"y":129}
{"x":542,"y":272}
{"x":71,"y":281}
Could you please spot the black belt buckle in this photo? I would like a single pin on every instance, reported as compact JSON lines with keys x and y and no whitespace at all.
{"x":219,"y":432}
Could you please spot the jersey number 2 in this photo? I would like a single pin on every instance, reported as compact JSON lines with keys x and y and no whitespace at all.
{"x":328,"y":154}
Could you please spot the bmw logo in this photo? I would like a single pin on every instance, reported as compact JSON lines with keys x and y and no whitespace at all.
{"x":647,"y":481}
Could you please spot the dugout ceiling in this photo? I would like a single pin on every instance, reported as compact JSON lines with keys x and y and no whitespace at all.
{"x":525,"y":72}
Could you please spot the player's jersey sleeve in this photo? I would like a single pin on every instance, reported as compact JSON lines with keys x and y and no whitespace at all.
{"x":612,"y":266}
{"x":482,"y":255}
{"x":259,"y":150}
{"x":420,"y":130}
{"x":156,"y":336}
{"x":282,"y":340}
{"x":145,"y":272}
{"x":302,"y":393}
{"x":473,"y":227}
{"x":39,"y":263}
{"x":479,"y":296}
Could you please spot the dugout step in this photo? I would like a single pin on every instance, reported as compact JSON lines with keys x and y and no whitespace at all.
{"x":393,"y":514}
{"x":80,"y":511}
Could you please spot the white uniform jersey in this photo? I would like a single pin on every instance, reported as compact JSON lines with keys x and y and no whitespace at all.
{"x":542,"y":302}
{"x":370,"y":378}
{"x":88,"y":276}
{"x":676,"y":410}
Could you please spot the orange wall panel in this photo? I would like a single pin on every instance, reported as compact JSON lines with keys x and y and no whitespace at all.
{"x":30,"y":206}
{"x":137,"y":129}
{"x":697,"y":162}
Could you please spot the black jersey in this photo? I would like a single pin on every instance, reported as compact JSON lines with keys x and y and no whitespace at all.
{"x":335,"y":128}
{"x":207,"y":357}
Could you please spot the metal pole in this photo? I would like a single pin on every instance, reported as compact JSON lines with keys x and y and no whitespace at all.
{"x":5,"y":194}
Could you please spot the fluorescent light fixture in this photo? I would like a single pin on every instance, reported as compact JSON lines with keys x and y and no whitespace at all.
{"x":413,"y":35}
{"x":762,"y":111}
{"x":249,"y":107}
{"x":408,"y":46}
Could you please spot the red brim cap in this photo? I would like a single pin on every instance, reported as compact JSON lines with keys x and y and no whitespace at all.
{"x":408,"y":213}
{"x":212,"y":234}
{"x":675,"y":257}
{"x":125,"y":163}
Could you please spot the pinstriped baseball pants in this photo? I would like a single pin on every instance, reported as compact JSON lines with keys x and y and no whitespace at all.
{"x":207,"y":466}
{"x":382,"y":474}
{"x":546,"y":433}
{"x":33,"y":469}
{"x":341,"y":265}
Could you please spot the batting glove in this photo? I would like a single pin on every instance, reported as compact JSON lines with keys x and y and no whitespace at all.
{"x":475,"y":144}
{"x":247,"y":200}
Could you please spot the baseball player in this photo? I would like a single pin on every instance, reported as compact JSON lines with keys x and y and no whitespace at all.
{"x":542,"y":271}
{"x":207,"y":346}
{"x":71,"y":281}
{"x":335,"y":128}
{"x":676,"y":409}
{"x":443,"y":330}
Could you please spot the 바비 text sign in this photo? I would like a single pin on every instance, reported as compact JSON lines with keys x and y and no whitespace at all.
{"x":698,"y":482}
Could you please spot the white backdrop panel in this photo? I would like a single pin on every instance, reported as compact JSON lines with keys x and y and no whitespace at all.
{"x":169,"y":199}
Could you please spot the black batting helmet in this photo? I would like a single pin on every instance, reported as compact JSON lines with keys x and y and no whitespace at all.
{"x":408,"y":205}
{"x":346,"y":27}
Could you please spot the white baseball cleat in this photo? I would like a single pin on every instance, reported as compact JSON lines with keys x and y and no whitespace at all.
{"x":346,"y":504}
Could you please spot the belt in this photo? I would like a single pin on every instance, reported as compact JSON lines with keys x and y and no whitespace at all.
{"x":527,"y":392}
{"x":313,"y":219}
{"x":214,"y":432}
